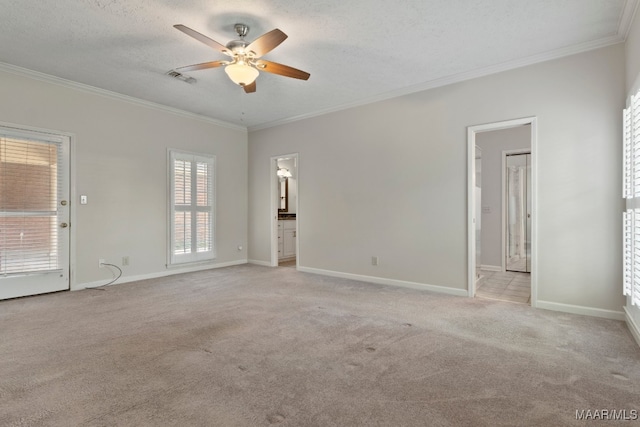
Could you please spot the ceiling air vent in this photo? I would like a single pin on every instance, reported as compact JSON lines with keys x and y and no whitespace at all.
{"x":180,"y":76}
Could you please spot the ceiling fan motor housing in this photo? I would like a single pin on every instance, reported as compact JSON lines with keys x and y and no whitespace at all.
{"x":238,"y":47}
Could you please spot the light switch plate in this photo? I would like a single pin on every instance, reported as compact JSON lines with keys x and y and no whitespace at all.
{"x":83,"y":200}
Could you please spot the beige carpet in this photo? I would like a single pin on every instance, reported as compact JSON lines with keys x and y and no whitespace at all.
{"x":250,"y":345}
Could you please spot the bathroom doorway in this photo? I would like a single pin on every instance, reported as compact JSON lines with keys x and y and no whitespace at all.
{"x":488,"y":245}
{"x":284,"y":196}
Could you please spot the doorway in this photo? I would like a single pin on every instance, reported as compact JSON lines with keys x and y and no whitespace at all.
{"x":285,"y":182}
{"x":34,"y":212}
{"x":504,"y":281}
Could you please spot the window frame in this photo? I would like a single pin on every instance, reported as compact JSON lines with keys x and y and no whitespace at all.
{"x":194,"y":256}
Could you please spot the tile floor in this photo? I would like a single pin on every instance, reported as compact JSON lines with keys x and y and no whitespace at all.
{"x":504,"y":286}
{"x":288,"y":263}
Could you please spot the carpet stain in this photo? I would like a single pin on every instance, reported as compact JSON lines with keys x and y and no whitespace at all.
{"x":407,"y":325}
{"x":243,"y":368}
{"x":619,"y":376}
{"x":574,"y":379}
{"x":370,"y":349}
{"x":276,"y":418}
{"x":207,"y":350}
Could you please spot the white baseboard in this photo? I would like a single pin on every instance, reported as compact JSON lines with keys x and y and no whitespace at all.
{"x":491,"y":267}
{"x":171,"y":272}
{"x":579,"y":309}
{"x":267,"y":263}
{"x":385,"y":281}
{"x":257,"y":262}
{"x":632,"y":325}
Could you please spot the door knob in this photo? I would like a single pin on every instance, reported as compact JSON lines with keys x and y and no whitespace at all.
{"x":64,"y":225}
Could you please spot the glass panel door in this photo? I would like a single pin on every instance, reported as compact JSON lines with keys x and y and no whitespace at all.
{"x":34,"y":213}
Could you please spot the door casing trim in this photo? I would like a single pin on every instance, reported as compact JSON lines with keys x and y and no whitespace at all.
{"x":472,"y":214}
{"x":273,"y":212}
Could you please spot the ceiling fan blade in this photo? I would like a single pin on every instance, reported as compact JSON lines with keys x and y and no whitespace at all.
{"x":250,"y":88}
{"x":283,"y":70}
{"x":203,"y":66}
{"x":266,"y":42}
{"x":202,"y":38}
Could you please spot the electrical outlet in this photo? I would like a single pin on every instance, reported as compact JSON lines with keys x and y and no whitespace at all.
{"x":374,"y":260}
{"x":101,"y":262}
{"x":125,"y":260}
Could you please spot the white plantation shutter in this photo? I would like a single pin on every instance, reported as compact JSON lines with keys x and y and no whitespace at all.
{"x":635,"y":144}
{"x":626,"y":155}
{"x":30,"y":180}
{"x":627,"y":251}
{"x":631,"y":192}
{"x":635,"y":285}
{"x":192,"y":207}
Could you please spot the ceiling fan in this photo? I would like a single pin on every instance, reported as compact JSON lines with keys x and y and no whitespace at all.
{"x":245,"y":63}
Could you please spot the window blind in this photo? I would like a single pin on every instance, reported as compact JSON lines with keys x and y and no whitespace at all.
{"x":29,"y":187}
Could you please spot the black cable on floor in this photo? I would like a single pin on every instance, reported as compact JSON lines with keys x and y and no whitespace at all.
{"x":111,"y":282}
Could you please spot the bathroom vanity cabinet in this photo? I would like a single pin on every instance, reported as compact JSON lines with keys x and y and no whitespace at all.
{"x":286,"y":239}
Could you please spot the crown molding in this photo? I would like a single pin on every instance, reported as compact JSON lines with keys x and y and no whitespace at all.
{"x":24,"y":72}
{"x":457,"y":78}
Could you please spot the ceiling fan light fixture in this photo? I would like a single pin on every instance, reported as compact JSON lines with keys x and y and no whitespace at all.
{"x":241,"y":73}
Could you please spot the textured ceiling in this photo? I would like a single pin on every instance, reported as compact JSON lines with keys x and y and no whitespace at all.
{"x":356,"y":51}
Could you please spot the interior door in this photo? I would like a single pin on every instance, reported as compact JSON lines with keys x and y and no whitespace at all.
{"x":34,"y":213}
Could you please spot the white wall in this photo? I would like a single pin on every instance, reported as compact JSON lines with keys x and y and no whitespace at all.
{"x":121,"y":165}
{"x":632,"y":51}
{"x":493,"y":144}
{"x":389,"y":179}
